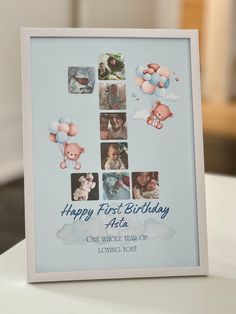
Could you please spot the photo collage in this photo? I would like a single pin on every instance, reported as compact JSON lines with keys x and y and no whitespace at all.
{"x":118,"y":183}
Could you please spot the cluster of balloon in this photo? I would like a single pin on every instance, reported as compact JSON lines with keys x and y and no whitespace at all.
{"x":61,"y":130}
{"x":153,"y":79}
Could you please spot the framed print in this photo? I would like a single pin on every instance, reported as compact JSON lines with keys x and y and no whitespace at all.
{"x":113,"y":154}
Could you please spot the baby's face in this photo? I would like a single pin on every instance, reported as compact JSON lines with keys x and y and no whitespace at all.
{"x":150,"y":186}
{"x":82,"y":80}
{"x":113,"y":89}
{"x":103,"y":124}
{"x":113,"y":153}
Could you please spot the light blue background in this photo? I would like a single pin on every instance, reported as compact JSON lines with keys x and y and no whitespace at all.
{"x":169,"y":151}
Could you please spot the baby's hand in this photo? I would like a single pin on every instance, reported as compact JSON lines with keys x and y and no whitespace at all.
{"x":116,"y":106}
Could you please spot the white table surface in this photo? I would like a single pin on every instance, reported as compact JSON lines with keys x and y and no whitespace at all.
{"x":213,"y":294}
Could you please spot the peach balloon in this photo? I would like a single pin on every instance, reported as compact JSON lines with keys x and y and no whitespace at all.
{"x":148,"y":88}
{"x":64,"y":127}
{"x":151,"y":71}
{"x":73,"y":130}
{"x":164,"y":72}
{"x":154,"y":66}
{"x":52,"y":137}
{"x":139,"y":81}
{"x":161,"y":84}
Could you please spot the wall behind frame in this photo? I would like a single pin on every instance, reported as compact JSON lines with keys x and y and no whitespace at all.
{"x":128,"y":14}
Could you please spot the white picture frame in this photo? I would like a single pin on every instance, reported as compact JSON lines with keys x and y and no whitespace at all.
{"x":45,"y":54}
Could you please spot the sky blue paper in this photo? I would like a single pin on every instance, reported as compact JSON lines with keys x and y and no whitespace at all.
{"x":155,"y":242}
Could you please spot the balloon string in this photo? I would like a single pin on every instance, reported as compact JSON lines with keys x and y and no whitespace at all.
{"x":61,"y":148}
{"x":152,"y":100}
{"x":176,"y":77}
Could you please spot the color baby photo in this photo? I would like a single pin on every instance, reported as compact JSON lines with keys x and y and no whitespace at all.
{"x":112,"y":96}
{"x":81,"y":80}
{"x":145,"y":185}
{"x":116,"y":186}
{"x":113,"y":126}
{"x":84,"y":186}
{"x":111,"y":66}
{"x":114,"y":156}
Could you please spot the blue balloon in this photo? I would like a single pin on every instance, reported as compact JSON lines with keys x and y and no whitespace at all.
{"x":147,"y":76}
{"x":163,"y":79}
{"x":65,"y":120}
{"x":155,"y":79}
{"x":167,"y":83}
{"x":53,"y":127}
{"x":61,"y":137}
{"x":139,"y":70}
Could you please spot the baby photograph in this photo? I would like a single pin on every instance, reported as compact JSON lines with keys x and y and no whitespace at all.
{"x":111,"y":66}
{"x":84,"y":186}
{"x":145,"y":185}
{"x":112,"y":96}
{"x":116,"y":186}
{"x":114,"y":156}
{"x":113,"y":126}
{"x":81,"y":80}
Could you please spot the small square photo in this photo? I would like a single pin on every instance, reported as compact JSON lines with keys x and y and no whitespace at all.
{"x":81,"y":80}
{"x":114,"y":156}
{"x":84,"y":186}
{"x":116,"y":186}
{"x":112,"y":96}
{"x":111,"y":66}
{"x":145,"y":185}
{"x":113,"y":126}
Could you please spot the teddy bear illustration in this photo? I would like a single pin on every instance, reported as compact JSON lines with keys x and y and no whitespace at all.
{"x":86,"y":184}
{"x":72,"y":152}
{"x":160,"y":112}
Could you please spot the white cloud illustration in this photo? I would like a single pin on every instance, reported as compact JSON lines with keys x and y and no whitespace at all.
{"x":74,"y":233}
{"x":156,"y":229}
{"x":77,"y":232}
{"x":142,"y":114}
{"x":172,"y":97}
{"x":135,"y":228}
